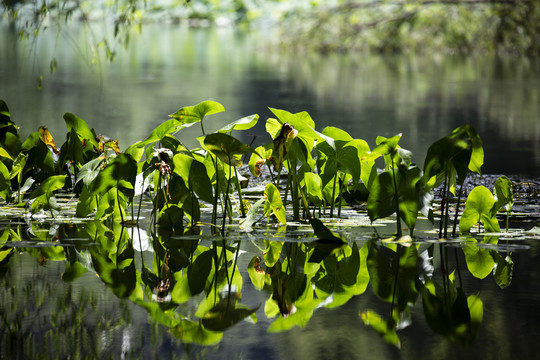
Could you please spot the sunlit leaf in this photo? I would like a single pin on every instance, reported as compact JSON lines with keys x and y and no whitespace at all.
{"x":244,"y":123}
{"x":192,"y":114}
{"x":478,"y":209}
{"x":504,"y":194}
{"x":81,"y":128}
{"x":274,"y":203}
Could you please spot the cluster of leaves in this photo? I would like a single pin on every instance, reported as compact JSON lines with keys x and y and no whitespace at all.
{"x":323,"y":170}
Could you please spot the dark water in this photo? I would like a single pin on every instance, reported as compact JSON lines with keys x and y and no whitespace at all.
{"x":166,"y":67}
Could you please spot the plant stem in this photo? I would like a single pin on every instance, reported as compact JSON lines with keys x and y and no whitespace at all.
{"x":340,"y":195}
{"x":239,"y":188}
{"x":333,"y":197}
{"x":398,"y":215}
{"x":216,"y":193}
{"x":226,"y":203}
{"x":457,"y":210}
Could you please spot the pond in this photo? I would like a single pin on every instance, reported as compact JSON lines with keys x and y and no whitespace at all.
{"x":72,"y":286}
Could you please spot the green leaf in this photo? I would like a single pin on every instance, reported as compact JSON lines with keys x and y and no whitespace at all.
{"x":194,"y":175}
{"x":244,"y":123}
{"x":117,"y":273}
{"x":226,"y":148}
{"x":119,"y":173}
{"x":479,"y":208}
{"x":458,"y":152}
{"x":384,"y":147}
{"x":313,"y":185}
{"x":191,"y":114}
{"x":18,"y":165}
{"x":504,"y":194}
{"x":5,"y":154}
{"x":43,"y":196}
{"x":274,"y":203}
{"x":5,"y":183}
{"x":89,"y":171}
{"x":81,"y":128}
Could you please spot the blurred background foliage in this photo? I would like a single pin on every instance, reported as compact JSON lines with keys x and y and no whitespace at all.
{"x":381,"y":26}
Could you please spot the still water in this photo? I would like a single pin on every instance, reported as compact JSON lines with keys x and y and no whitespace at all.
{"x":166,"y":68}
{"x":68,"y":293}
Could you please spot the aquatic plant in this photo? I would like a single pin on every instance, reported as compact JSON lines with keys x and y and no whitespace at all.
{"x":192,"y":284}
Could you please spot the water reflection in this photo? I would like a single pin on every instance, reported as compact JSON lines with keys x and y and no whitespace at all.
{"x":169,"y":67}
{"x":202,"y":289}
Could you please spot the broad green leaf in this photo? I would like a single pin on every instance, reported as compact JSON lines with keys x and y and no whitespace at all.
{"x":194,"y":175}
{"x":385,"y":147}
{"x":120,"y":172}
{"x":192,"y":114}
{"x":478,"y":209}
{"x":81,"y":128}
{"x":274,"y":203}
{"x":165,"y":128}
{"x":117,"y":273}
{"x":226,"y":148}
{"x":244,"y":123}
{"x":458,"y":152}
{"x":89,"y":171}
{"x":504,"y":194}
{"x":5,"y":183}
{"x":5,"y":154}
{"x":302,"y":123}
{"x":43,"y":196}
{"x":313,"y":185}
{"x":381,"y":200}
{"x":339,"y":277}
{"x":18,"y":165}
